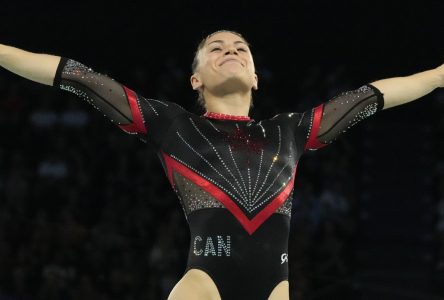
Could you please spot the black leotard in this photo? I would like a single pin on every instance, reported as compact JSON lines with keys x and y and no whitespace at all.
{"x":233,"y":175}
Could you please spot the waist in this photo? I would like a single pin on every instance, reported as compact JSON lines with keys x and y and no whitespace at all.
{"x":218,"y":239}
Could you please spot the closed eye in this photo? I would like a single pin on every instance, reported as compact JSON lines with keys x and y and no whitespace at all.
{"x":242,"y":49}
{"x":215,"y":49}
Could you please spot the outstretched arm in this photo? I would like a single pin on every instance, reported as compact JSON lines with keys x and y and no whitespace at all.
{"x":329,"y":120}
{"x":102,"y":92}
{"x":33,"y":66}
{"x":130,"y":111}
{"x":400,"y":90}
{"x":324,"y":123}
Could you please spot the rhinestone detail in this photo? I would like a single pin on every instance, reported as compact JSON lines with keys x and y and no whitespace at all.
{"x":219,"y":116}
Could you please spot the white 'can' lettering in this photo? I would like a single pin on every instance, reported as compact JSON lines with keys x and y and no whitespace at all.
{"x":197,"y":252}
{"x":222,"y":246}
{"x":209,"y":247}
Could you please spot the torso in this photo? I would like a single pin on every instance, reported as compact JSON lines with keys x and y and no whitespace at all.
{"x":234,"y":179}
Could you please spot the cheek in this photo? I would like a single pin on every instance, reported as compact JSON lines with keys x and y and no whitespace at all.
{"x":207,"y":67}
{"x":251,"y":63}
{"x":205,"y":59}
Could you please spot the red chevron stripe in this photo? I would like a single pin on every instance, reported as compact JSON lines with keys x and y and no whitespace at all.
{"x":249,"y":225}
{"x":312,"y":142}
{"x":137,"y":126}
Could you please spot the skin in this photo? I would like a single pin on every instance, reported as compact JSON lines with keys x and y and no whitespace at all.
{"x":225,"y":74}
{"x":401,"y":90}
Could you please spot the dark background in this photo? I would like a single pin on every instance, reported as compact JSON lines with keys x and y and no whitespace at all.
{"x":86,"y":213}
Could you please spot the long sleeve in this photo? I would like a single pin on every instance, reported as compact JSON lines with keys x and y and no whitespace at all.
{"x":131,"y":112}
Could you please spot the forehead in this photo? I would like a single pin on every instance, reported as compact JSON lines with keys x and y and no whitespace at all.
{"x":225,"y":37}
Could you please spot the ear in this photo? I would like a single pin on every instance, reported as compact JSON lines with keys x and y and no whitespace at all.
{"x":196,"y":83}
{"x":255,"y":83}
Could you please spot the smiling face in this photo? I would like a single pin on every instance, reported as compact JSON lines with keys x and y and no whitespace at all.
{"x":224,"y":65}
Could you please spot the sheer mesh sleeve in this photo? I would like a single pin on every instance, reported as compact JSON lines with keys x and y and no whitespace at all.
{"x":331,"y":119}
{"x":323,"y":124}
{"x":133,"y":113}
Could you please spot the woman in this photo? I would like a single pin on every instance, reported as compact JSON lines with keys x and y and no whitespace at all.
{"x":233,"y":175}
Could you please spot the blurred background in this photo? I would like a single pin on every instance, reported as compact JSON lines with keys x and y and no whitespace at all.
{"x":86,"y":211}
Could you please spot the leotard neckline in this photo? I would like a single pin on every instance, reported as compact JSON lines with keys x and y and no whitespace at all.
{"x":219,"y":116}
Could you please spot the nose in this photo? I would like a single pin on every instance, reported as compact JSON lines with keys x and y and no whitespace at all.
{"x":231,"y":50}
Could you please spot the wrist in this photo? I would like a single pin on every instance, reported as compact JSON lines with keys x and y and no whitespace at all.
{"x":440,"y":73}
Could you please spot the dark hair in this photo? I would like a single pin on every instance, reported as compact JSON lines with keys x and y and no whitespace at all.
{"x":195,"y":64}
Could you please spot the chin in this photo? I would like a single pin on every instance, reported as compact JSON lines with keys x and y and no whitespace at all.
{"x":233,"y":84}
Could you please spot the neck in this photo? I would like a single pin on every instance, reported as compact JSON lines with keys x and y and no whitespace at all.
{"x":236,"y":104}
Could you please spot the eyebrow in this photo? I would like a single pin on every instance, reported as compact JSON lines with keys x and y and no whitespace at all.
{"x":222,"y":42}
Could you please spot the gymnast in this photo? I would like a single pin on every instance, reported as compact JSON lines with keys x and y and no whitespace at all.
{"x":232,"y":175}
